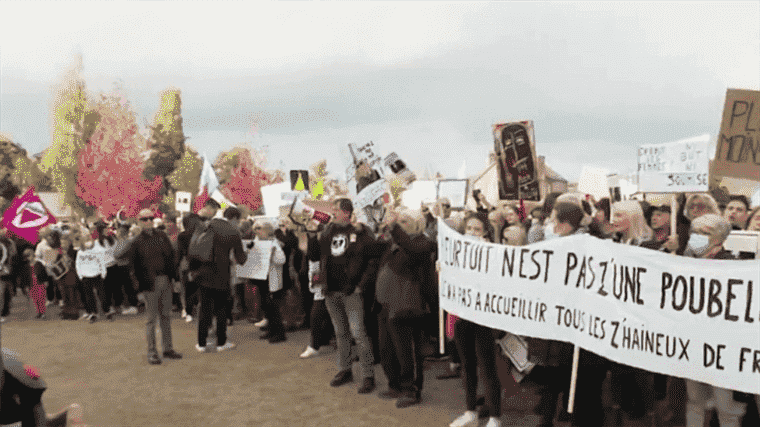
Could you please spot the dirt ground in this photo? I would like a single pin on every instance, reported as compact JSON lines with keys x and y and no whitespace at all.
{"x":103,"y":367}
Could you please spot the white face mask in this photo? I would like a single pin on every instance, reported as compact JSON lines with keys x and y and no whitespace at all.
{"x":549,"y":231}
{"x":698,"y":244}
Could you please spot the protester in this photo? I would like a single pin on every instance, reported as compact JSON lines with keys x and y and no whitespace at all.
{"x":708,"y":233}
{"x":36,"y":287}
{"x":214,"y":277}
{"x":290,"y":281}
{"x":106,"y":246}
{"x":600,"y":226}
{"x":6,"y":278}
{"x":274,"y":282}
{"x":400,"y":292}
{"x":47,"y":251}
{"x":476,"y":348}
{"x":736,"y":211}
{"x":120,"y":274}
{"x":153,"y":260}
{"x":91,"y":269}
{"x":189,"y":224}
{"x":343,"y":255}
{"x":552,"y":358}
{"x":753,"y":220}
{"x":543,"y":229}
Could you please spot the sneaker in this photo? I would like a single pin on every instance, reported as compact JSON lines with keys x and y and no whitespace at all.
{"x":310,"y":352}
{"x":226,"y":346}
{"x":111,"y":312}
{"x":184,"y":313}
{"x":47,"y":303}
{"x":468,"y":419}
{"x":408,"y":399}
{"x":342,"y":378}
{"x":261,"y":324}
{"x":153,"y":359}
{"x":93,"y":318}
{"x":389,"y":394}
{"x":129,"y":311}
{"x":171,"y":354}
{"x":60,"y":303}
{"x":2,"y":319}
{"x":493,"y":422}
{"x":201,"y":349}
{"x":368,"y":386}
{"x":85,"y":316}
{"x":188,"y":318}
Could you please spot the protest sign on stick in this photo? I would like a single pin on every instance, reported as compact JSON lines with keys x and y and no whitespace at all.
{"x":514,"y":145}
{"x":455,"y":190}
{"x":674,"y":167}
{"x":625,"y":303}
{"x":257,"y":265}
{"x":737,"y":152}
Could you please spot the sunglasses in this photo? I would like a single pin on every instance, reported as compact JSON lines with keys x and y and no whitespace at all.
{"x":446,"y":206}
{"x":146,"y":219}
{"x":257,"y":228}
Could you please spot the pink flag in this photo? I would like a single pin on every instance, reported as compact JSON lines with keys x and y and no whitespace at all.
{"x":26,"y":216}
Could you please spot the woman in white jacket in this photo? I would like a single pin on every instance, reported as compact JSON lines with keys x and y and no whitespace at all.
{"x":264,"y":232}
{"x":91,"y":270}
{"x":106,"y":245}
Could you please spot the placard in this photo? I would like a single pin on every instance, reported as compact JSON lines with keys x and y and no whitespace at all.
{"x":182,"y":201}
{"x":675,"y":167}
{"x":737,"y":151}
{"x":259,"y":256}
{"x":679,"y":316}
{"x":455,"y":190}
{"x":743,"y":241}
{"x":514,"y":145}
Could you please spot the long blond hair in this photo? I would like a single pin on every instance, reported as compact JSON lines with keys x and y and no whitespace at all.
{"x":639,"y":231}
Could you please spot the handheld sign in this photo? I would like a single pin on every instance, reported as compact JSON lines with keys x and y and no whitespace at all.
{"x":675,"y":167}
{"x":182,"y":201}
{"x":736,"y":151}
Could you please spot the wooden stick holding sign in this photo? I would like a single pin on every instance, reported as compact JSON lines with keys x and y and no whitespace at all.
{"x":573,"y":379}
{"x":441,"y":332}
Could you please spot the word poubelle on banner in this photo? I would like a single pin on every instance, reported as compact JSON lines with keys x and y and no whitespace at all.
{"x":679,"y":316}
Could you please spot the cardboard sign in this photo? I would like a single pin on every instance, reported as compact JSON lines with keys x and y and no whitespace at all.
{"x":514,"y":145}
{"x":737,"y":152}
{"x":271,"y":195}
{"x":182,"y":201}
{"x":455,"y":190}
{"x":259,"y":256}
{"x":681,"y":166}
{"x":743,"y":241}
{"x":594,"y":181}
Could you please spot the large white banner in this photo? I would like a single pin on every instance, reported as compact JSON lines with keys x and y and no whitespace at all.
{"x":680,"y":316}
{"x":257,"y":265}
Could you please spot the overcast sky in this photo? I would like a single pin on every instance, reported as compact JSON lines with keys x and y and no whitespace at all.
{"x":426,"y":80}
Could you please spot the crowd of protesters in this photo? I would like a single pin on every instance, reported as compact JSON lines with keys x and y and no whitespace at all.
{"x":372,"y":290}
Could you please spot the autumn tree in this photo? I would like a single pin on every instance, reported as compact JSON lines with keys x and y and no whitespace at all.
{"x":72,"y":124}
{"x":110,"y":169}
{"x":167,"y":140}
{"x":186,"y":176}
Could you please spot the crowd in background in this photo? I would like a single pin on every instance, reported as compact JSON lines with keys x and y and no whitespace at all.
{"x":370,"y":292}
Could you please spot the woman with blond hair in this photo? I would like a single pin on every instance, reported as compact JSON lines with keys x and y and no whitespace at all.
{"x":271,"y":299}
{"x":628,"y":223}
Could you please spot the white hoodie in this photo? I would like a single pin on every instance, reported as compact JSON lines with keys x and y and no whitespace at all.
{"x":91,"y":262}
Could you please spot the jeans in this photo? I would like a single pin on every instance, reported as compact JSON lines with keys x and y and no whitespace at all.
{"x":86,"y":292}
{"x":347,"y":315}
{"x":476,"y":346}
{"x":730,"y":412}
{"x":321,"y":327}
{"x":401,"y":351}
{"x":158,"y":305}
{"x":213,"y":304}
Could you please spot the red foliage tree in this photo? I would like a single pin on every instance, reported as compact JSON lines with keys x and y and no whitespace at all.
{"x":110,"y":167}
{"x":246,"y":180}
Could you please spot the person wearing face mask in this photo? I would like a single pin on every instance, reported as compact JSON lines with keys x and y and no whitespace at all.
{"x":402,"y":296}
{"x":543,"y":229}
{"x":153,"y":259}
{"x":476,"y":347}
{"x":708,"y":233}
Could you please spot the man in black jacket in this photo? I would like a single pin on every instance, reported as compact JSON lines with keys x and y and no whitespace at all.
{"x":345,"y":253}
{"x":153,"y":259}
{"x":214,"y":277}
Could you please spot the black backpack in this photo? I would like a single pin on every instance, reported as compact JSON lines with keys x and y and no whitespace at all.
{"x":201,"y":244}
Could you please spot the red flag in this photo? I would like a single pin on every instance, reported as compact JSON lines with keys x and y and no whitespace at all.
{"x":26,"y":216}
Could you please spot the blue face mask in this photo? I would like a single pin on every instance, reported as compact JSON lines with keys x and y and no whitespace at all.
{"x":698,"y":244}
